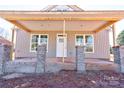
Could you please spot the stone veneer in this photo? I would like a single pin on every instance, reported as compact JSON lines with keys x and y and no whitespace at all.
{"x":5,"y":51}
{"x":1,"y":58}
{"x":118,"y":52}
{"x":122,"y":58}
{"x":80,"y":65}
{"x":41,"y":58}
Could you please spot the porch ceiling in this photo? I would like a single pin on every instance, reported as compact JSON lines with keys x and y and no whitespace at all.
{"x":53,"y":21}
{"x":58,"y":25}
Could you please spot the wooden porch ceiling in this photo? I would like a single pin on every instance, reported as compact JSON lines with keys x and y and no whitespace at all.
{"x":110,"y":17}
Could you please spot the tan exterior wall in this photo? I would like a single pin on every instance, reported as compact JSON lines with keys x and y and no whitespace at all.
{"x":101,"y":44}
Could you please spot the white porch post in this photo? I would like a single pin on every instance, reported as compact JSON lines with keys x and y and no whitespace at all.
{"x":12,"y":57}
{"x":64,"y":40}
{"x":113,"y":31}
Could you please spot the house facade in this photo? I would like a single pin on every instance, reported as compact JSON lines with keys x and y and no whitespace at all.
{"x":62,"y":28}
{"x":51,"y":33}
{"x":97,"y":45}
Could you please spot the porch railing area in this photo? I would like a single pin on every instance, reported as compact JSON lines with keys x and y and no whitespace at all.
{"x":42,"y":64}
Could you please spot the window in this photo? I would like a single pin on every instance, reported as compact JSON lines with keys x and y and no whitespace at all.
{"x":43,"y":39}
{"x":89,"y":43}
{"x":37,"y":40}
{"x":62,"y":8}
{"x":34,"y":42}
{"x":79,"y":40}
{"x":86,"y":40}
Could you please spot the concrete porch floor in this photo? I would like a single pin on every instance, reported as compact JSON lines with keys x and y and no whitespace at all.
{"x":55,"y":64}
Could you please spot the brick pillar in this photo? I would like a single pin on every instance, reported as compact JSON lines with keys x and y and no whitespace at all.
{"x":122,"y":58}
{"x":80,"y":65}
{"x":41,"y":58}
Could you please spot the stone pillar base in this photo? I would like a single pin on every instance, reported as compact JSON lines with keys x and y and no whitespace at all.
{"x":81,"y":68}
{"x":117,"y":60}
{"x":1,"y":59}
{"x":80,"y":65}
{"x":118,"y":52}
{"x":122,"y":58}
{"x":41,"y":58}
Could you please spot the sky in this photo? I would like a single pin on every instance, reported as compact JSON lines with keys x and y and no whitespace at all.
{"x":84,"y":4}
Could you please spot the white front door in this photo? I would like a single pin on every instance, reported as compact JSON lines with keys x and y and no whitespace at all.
{"x":61,"y":46}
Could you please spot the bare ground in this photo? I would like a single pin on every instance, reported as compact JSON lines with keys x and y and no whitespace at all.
{"x":66,"y":79}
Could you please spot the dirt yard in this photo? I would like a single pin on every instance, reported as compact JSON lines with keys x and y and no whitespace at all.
{"x":66,"y":79}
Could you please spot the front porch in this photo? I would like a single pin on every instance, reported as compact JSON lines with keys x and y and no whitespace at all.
{"x":27,"y":65}
{"x":46,"y":26}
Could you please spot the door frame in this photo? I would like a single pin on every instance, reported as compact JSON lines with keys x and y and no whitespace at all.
{"x":66,"y":43}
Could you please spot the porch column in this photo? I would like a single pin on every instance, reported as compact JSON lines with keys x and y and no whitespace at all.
{"x":63,"y":59}
{"x":4,"y":57}
{"x":122,"y":58}
{"x":1,"y":58}
{"x":80,"y":65}
{"x":118,"y":52}
{"x":113,"y":32}
{"x":41,"y":58}
{"x":12,"y":49}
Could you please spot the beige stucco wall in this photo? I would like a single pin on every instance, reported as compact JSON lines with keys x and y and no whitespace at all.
{"x":101,"y":44}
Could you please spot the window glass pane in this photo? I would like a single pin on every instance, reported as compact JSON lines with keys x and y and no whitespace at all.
{"x":34,"y":46}
{"x":35,"y":38}
{"x":43,"y":39}
{"x":88,"y":39}
{"x":34,"y":42}
{"x":89,"y":48}
{"x":62,"y":8}
{"x":79,"y":40}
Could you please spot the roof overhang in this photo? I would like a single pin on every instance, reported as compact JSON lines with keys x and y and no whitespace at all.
{"x":23,"y":19}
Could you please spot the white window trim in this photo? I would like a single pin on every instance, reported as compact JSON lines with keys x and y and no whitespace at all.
{"x":38,"y":41}
{"x":84,"y":40}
